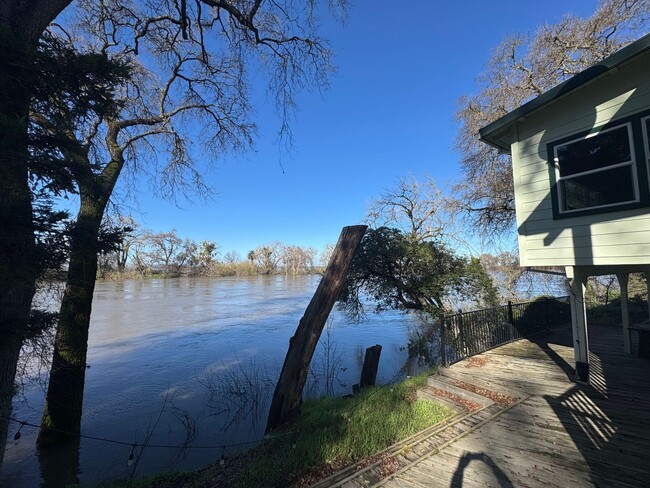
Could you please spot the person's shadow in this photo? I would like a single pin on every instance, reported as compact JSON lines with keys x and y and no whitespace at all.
{"x":501,"y":477}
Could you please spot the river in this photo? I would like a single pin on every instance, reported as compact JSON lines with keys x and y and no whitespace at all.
{"x":192,"y":362}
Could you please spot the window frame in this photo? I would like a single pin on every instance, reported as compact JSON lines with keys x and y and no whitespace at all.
{"x":646,"y":142}
{"x":639,"y":141}
{"x":630,"y":163}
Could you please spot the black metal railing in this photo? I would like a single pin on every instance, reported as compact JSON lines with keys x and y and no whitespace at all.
{"x":466,"y":334}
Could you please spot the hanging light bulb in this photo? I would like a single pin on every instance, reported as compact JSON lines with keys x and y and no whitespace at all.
{"x":18,"y":434}
{"x":129,"y":461}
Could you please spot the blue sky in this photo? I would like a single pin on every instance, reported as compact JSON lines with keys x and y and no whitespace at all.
{"x":388,"y":112}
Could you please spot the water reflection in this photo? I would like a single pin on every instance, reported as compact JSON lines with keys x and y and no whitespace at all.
{"x":60,"y":466}
{"x":182,"y":354}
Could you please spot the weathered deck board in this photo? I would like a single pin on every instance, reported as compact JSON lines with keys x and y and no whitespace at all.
{"x":564,"y":434}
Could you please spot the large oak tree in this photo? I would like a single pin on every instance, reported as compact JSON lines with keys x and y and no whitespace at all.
{"x":521,"y":68}
{"x":191,"y":63}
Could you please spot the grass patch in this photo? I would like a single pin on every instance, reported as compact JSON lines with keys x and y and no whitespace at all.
{"x":333,"y":432}
{"x":329,"y":434}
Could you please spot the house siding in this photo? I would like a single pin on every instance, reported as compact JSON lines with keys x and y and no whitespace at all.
{"x":610,"y":238}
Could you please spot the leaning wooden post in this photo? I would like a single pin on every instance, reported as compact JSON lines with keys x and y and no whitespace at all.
{"x":288,"y":391}
{"x":370,"y":367}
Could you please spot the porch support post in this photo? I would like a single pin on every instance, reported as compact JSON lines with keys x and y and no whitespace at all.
{"x":625,"y":315}
{"x":578,"y":283}
{"x":648,"y":289}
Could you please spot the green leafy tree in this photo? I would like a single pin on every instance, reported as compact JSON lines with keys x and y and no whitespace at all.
{"x":22,"y":23}
{"x":397,"y":271}
{"x":207,"y":253}
{"x":66,"y":88}
{"x":87,"y":237}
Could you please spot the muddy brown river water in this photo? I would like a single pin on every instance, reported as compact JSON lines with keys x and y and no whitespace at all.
{"x":170,"y":361}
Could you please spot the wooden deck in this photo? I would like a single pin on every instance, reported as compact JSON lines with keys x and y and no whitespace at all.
{"x":562,"y":434}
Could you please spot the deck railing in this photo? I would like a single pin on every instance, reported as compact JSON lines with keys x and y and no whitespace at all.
{"x":466,"y":334}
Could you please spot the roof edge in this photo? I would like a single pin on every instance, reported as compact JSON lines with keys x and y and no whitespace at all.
{"x":488,"y":133}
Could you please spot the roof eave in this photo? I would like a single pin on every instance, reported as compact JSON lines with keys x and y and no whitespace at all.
{"x":489,"y":133}
{"x":503,"y":148}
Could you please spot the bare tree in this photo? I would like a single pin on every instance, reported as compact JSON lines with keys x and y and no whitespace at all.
{"x":325,"y":255}
{"x":166,"y":251}
{"x":517,"y":283}
{"x":505,"y":272}
{"x":297,"y":260}
{"x":420,"y":210}
{"x":268,"y":257}
{"x":521,"y":68}
{"x":140,"y":256}
{"x":117,"y":258}
{"x":128,"y":238}
{"x":603,"y":287}
{"x":188,"y":81}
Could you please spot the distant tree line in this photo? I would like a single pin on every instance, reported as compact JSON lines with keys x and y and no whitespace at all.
{"x":143,"y":253}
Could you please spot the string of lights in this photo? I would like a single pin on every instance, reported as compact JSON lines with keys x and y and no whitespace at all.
{"x":131,"y":444}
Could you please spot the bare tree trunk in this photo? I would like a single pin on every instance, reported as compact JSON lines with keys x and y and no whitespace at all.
{"x":288,"y":392}
{"x":63,"y":405}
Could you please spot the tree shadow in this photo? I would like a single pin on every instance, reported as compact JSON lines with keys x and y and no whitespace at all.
{"x":560,"y":337}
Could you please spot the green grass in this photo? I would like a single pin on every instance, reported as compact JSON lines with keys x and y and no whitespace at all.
{"x":338,"y":431}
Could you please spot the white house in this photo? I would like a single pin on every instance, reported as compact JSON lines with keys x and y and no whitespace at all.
{"x":581,"y":166}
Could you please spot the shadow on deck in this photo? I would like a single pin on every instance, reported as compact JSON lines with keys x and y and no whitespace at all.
{"x":563,"y":433}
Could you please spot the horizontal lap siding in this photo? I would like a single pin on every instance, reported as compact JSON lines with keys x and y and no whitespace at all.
{"x":605,"y":239}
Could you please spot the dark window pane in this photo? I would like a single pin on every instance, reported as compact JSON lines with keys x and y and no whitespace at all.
{"x":601,"y":188}
{"x":600,"y":151}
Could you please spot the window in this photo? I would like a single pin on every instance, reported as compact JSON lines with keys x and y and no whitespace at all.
{"x":597,"y":170}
